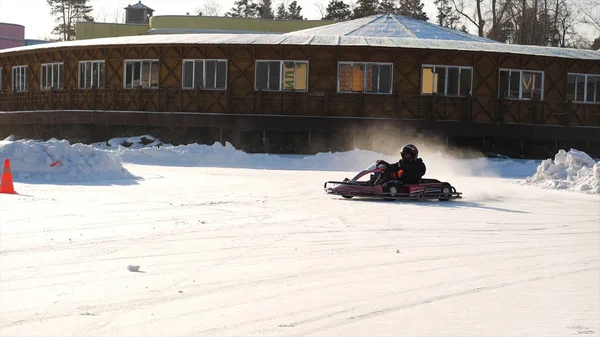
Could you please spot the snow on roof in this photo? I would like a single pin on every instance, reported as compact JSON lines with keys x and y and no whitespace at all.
{"x":371,"y":31}
{"x":394,"y":26}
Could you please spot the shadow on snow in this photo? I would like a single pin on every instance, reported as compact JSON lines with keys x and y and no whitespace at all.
{"x":455,"y":203}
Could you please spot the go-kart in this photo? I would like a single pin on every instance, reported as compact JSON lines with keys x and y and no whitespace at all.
{"x":383,"y":185}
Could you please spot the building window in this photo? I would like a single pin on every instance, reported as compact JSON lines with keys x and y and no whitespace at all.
{"x":205,"y":74}
{"x":521,"y":84}
{"x":446,"y":80}
{"x":141,"y":73}
{"x":583,"y":88}
{"x":52,"y":76}
{"x":19,"y":78}
{"x":281,"y":75}
{"x":373,"y":78}
{"x":91,"y":74}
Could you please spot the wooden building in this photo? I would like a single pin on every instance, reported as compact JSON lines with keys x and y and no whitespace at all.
{"x":320,"y":89}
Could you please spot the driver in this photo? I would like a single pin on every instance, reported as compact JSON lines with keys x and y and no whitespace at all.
{"x":410,"y":168}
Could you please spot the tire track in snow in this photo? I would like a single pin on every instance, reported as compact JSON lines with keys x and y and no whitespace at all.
{"x":389,"y":310}
{"x":223,"y":260}
{"x":157,"y":300}
{"x":297,"y":323}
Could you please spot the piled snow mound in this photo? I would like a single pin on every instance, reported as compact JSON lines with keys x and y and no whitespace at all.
{"x":227,"y":155}
{"x":59,"y":161}
{"x":131,"y":142}
{"x":439,"y":165}
{"x":574,"y":171}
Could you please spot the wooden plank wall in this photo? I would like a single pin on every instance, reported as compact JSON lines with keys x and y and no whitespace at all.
{"x":322,"y":99}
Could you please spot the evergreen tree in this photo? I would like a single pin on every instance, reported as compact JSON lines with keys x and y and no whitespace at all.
{"x":282,"y":13}
{"x":388,"y":7}
{"x":365,"y":8}
{"x":68,"y":13}
{"x":596,"y":44}
{"x":413,"y":9}
{"x":337,"y":10}
{"x":295,"y":11}
{"x":243,"y":9}
{"x":265,"y":9}
{"x":446,"y":16}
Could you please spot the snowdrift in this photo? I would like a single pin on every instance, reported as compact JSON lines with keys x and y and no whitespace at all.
{"x":137,"y":142}
{"x":59,"y":161}
{"x":574,"y":171}
{"x":33,"y":160}
{"x":442,"y":165}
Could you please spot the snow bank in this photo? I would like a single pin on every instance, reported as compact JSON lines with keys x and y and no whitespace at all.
{"x":227,"y":155}
{"x":137,"y":142}
{"x":439,"y":164}
{"x":574,"y":171}
{"x":58,"y":160}
{"x":32,"y":160}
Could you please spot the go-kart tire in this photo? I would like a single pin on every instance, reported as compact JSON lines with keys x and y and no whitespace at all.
{"x":446,"y":192}
{"x":348,"y":196}
{"x":393,"y":188}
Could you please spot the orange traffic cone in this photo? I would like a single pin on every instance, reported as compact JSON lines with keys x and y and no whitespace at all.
{"x":6,"y":185}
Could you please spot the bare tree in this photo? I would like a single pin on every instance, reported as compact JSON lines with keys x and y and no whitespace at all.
{"x":210,"y":8}
{"x":591,"y":12}
{"x":477,"y":17}
{"x":321,"y":8}
{"x":567,"y":21}
{"x":110,"y":17}
{"x":500,"y":11}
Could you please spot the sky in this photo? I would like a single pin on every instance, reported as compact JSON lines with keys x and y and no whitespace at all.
{"x":35,"y":15}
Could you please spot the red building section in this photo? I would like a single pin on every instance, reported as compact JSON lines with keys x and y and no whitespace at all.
{"x":11,"y":35}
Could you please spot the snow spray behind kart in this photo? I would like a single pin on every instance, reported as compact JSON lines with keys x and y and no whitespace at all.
{"x":382,"y":185}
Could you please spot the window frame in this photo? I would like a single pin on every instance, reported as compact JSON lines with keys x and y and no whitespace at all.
{"x":510,"y":70}
{"x":585,"y":75}
{"x":25,"y":68}
{"x":85,"y":83}
{"x":61,"y":84}
{"x":183,"y":61}
{"x":125,"y":61}
{"x":307,"y":62}
{"x":364,"y":90}
{"x":446,"y":77}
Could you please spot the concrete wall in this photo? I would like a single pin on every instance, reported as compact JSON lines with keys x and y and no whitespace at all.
{"x":239,"y":24}
{"x":11,"y":35}
{"x":191,"y":24}
{"x":93,"y":30}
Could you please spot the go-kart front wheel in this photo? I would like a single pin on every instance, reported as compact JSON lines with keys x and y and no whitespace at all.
{"x":393,"y":189}
{"x":446,"y":192}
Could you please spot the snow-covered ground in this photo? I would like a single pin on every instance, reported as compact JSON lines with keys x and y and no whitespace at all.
{"x":232,"y":244}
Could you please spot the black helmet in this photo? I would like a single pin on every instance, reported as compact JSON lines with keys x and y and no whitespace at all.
{"x":409,"y":152}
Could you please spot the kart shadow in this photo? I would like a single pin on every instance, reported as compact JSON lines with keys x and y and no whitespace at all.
{"x":455,"y":203}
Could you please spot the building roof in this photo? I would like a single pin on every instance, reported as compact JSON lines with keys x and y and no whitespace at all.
{"x":392,"y":26}
{"x":139,"y":5}
{"x":370,"y":31}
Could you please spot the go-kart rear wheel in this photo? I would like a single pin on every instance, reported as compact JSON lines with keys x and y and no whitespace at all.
{"x":446,"y":192}
{"x":393,"y":189}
